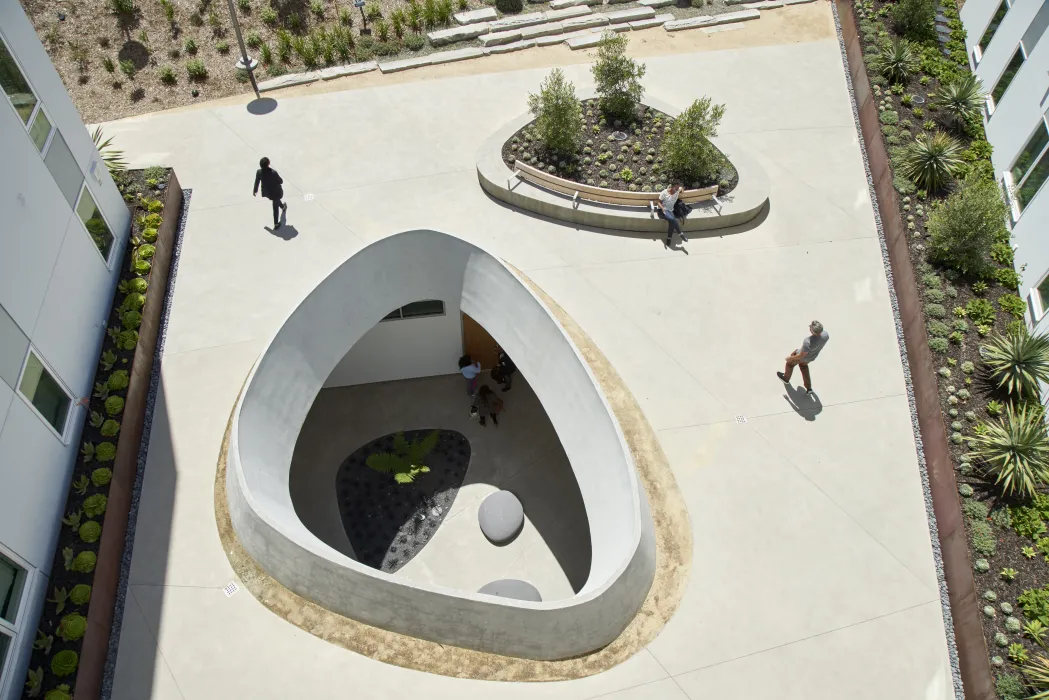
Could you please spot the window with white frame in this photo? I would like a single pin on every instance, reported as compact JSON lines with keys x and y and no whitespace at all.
{"x":39,"y":386}
{"x":12,"y":586}
{"x":417,"y":309}
{"x":1006,"y":78}
{"x":1031,"y":168}
{"x":1040,"y":297}
{"x":24,"y":100}
{"x":91,"y":216}
{"x":992,"y":27}
{"x":1036,"y":29}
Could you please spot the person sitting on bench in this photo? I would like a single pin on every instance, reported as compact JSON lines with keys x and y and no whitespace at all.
{"x":671,"y":208}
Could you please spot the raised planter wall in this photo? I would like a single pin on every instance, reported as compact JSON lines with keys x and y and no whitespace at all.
{"x":977,"y":677}
{"x":125,"y":466}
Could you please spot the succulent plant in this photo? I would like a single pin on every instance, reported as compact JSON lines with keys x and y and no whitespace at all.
{"x":114,"y":405}
{"x":1012,"y":625}
{"x":1003,"y":606}
{"x":105,"y":451}
{"x":84,"y":562}
{"x":64,"y":663}
{"x":988,"y":610}
{"x":72,"y":627}
{"x":101,"y":476}
{"x":81,"y":593}
{"x":110,"y":428}
{"x":957,"y":438}
{"x":990,"y":595}
{"x":968,"y":367}
{"x":96,"y":505}
{"x":59,"y":693}
{"x":965,"y":490}
{"x":997,"y":661}
{"x":119,"y":379}
{"x":945,"y":372}
{"x":970,"y":416}
{"x":952,"y":412}
{"x":981,"y":566}
{"x":90,"y":531}
{"x":1000,"y":639}
{"x":957,"y":426}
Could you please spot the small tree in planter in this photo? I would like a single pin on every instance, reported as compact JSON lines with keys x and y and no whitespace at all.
{"x":618,"y":77}
{"x":965,"y":226}
{"x":688,"y":154}
{"x":558,"y":115}
{"x":406,"y":460}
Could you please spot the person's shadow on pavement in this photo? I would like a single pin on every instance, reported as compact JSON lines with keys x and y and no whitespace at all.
{"x":806,"y":405}
{"x":286,"y":232}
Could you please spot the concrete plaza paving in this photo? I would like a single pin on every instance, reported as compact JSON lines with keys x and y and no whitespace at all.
{"x":812,"y":571}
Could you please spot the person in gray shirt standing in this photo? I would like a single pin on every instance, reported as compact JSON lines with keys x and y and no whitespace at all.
{"x":809,"y":351}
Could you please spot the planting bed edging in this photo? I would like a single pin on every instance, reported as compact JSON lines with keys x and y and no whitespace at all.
{"x":105,"y":585}
{"x":743,"y":204}
{"x":970,"y":669}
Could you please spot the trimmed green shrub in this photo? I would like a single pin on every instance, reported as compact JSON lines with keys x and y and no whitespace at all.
{"x":963,"y":229}
{"x":931,"y":160}
{"x":617,"y":77}
{"x":935,"y":311}
{"x":105,"y":451}
{"x":131,"y":320}
{"x":134,"y":301}
{"x":138,"y":286}
{"x":127,"y":340}
{"x":72,"y":627}
{"x":982,"y":536}
{"x":114,"y":405}
{"x":688,"y":155}
{"x":915,"y":19}
{"x":896,"y":61}
{"x":558,"y":114}
{"x":90,"y":531}
{"x":95,"y":505}
{"x":101,"y":476}
{"x":939,"y":345}
{"x":938,"y":329}
{"x":80,"y":594}
{"x":110,"y":428}
{"x":118,"y":380}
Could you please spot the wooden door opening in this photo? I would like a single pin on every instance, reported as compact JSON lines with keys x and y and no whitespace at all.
{"x":478,"y":344}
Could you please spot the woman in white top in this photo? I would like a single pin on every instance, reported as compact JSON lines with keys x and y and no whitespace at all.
{"x":667,"y":209}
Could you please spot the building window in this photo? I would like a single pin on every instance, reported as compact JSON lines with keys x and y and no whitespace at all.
{"x":1036,"y":30}
{"x":1031,"y":168}
{"x":1007,"y":76}
{"x":95,"y":224}
{"x":992,"y":27}
{"x":417,"y":309}
{"x":46,"y":395}
{"x":23,"y":99}
{"x":12,"y":586}
{"x":1041,"y":296}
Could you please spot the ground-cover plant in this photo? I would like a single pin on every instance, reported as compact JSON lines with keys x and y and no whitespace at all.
{"x":688,"y":154}
{"x":617,"y":78}
{"x":56,"y":657}
{"x":558,"y":115}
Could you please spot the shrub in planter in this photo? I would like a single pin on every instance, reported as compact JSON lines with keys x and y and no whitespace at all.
{"x":935,"y":311}
{"x":963,"y":229}
{"x":131,"y":320}
{"x":980,"y":312}
{"x":95,"y":505}
{"x":618,"y":77}
{"x":931,"y":160}
{"x":72,"y":627}
{"x":896,"y":61}
{"x":1016,"y":451}
{"x":64,"y":663}
{"x":1017,"y":362}
{"x":915,"y":19}
{"x":149,"y":235}
{"x":960,"y":100}
{"x":80,"y":594}
{"x":114,"y":405}
{"x":939,"y":345}
{"x":939,"y":329}
{"x":127,"y":340}
{"x":90,"y":531}
{"x":983,"y":540}
{"x":101,"y":476}
{"x":118,"y":380}
{"x":1013,"y":305}
{"x":110,"y":428}
{"x":105,"y":451}
{"x":687,"y":151}
{"x":59,"y":693}
{"x":558,"y":114}
{"x":133,"y":301}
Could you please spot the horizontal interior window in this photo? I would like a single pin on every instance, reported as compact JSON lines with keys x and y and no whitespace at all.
{"x":46,"y":395}
{"x":96,"y":226}
{"x":1007,"y":77}
{"x":12,"y":581}
{"x":15,"y":86}
{"x":1036,"y":177}
{"x":417,"y":309}
{"x":996,"y":21}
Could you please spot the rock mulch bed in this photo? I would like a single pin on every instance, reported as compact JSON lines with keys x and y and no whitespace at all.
{"x":389,"y":523}
{"x":614,"y":155}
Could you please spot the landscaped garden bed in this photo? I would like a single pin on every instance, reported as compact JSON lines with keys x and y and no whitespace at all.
{"x":954,"y":216}
{"x":389,"y":519}
{"x":616,"y":154}
{"x":73,"y":638}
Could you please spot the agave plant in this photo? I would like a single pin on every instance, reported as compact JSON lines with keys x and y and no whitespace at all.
{"x":1016,"y":451}
{"x":961,"y":99}
{"x":406,"y":460}
{"x":1018,"y":361}
{"x":931,"y":160}
{"x":896,"y":61}
{"x":112,"y":157}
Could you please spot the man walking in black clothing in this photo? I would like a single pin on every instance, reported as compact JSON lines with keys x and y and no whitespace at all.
{"x":271,"y":189}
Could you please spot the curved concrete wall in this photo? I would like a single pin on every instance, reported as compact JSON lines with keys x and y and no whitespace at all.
{"x":292,"y":369}
{"x":741,"y":205}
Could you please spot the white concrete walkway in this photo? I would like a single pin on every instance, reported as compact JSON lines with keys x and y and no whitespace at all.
{"x":813,"y":576}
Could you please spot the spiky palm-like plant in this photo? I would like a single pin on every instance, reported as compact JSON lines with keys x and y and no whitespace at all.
{"x":1016,"y":451}
{"x":960,"y":100}
{"x":896,"y":61}
{"x":112,"y":157}
{"x":1037,"y":672}
{"x":406,"y":460}
{"x":932,"y":160}
{"x":1018,"y":362}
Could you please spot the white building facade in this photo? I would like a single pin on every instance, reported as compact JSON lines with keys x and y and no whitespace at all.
{"x":63,"y":230}
{"x":1009,"y":52}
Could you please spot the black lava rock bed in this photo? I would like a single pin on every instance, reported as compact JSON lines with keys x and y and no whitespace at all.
{"x":388,"y":523}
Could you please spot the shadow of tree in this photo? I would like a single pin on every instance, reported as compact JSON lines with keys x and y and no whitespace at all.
{"x":136,"y":52}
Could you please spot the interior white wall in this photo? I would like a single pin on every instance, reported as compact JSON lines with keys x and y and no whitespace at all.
{"x":405,"y":348}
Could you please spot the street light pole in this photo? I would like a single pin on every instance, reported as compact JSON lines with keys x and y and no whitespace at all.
{"x":244,"y":62}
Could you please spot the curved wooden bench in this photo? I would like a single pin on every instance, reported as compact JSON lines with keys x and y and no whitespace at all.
{"x":579,"y":190}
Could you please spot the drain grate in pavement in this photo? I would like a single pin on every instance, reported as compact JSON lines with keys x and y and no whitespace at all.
{"x":741,"y":419}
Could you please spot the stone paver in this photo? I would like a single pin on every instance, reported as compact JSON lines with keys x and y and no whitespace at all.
{"x":351,"y":69}
{"x":709,"y":21}
{"x":517,"y":21}
{"x":504,"y":37}
{"x":485,"y":14}
{"x":762,"y":5}
{"x":630,"y":15}
{"x":407,"y":63}
{"x":542,"y":30}
{"x":813,"y":572}
{"x":584,"y":42}
{"x":567,"y":13}
{"x":450,"y":36}
{"x":560,"y":38}
{"x":652,"y":21}
{"x":289,"y":80}
{"x":560,"y":4}
{"x":655,"y":3}
{"x":457,"y":55}
{"x":596,"y":20}
{"x":511,"y":47}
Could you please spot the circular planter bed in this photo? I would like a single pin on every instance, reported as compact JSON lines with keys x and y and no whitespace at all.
{"x":615,"y":155}
{"x":388,"y":522}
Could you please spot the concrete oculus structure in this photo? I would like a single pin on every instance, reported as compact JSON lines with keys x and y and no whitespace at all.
{"x":743,"y":204}
{"x":293,"y":368}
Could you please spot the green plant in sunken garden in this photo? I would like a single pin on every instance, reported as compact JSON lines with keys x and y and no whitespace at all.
{"x":915,"y":19}
{"x":1015,"y":450}
{"x":61,"y":692}
{"x":109,"y":428}
{"x":980,"y":312}
{"x":896,"y":61}
{"x":1037,"y":672}
{"x":127,"y":340}
{"x":406,"y":461}
{"x":59,"y":597}
{"x":932,"y":160}
{"x":558,"y":114}
{"x":131,"y":320}
{"x":960,"y":100}
{"x":80,"y":485}
{"x":107,"y":360}
{"x":90,"y":532}
{"x":105,"y":451}
{"x":140,"y":266}
{"x":118,"y":380}
{"x":64,"y":663}
{"x":95,"y":505}
{"x":963,"y":229}
{"x":72,"y":627}
{"x":84,"y":562}
{"x":687,"y":152}
{"x":35,"y":677}
{"x":112,"y":157}
{"x":101,"y":476}
{"x":1012,"y":305}
{"x":617,"y":78}
{"x":1017,"y":362}
{"x":80,"y":594}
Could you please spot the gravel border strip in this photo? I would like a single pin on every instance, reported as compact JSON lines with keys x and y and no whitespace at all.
{"x":945,"y":603}
{"x":143,"y":450}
